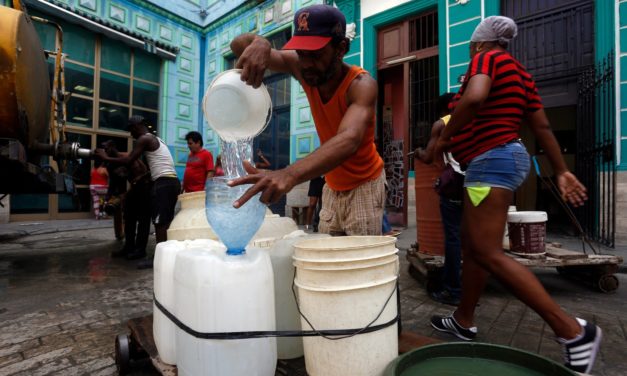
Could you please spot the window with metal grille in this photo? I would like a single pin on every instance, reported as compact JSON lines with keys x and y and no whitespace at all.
{"x":423,"y":31}
{"x":423,"y":93}
{"x":555,"y":37}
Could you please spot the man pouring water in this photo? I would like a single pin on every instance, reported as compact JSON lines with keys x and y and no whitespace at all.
{"x":342,"y":99}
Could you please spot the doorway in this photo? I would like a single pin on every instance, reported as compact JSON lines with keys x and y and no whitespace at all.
{"x":555,"y":43}
{"x":408,"y":75}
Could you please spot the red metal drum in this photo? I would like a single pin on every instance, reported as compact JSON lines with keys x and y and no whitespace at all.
{"x":428,"y":219}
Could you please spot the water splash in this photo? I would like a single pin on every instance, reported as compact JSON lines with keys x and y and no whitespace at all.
{"x":234,"y":153}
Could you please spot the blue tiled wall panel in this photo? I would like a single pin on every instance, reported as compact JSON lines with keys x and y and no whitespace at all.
{"x":623,"y":68}
{"x":461,"y":32}
{"x":459,"y":53}
{"x":459,"y":13}
{"x":623,"y":121}
{"x":462,"y":20}
{"x":623,"y":40}
{"x":622,"y":9}
{"x":455,"y":74}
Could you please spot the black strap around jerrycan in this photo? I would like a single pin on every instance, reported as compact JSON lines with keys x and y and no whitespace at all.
{"x":332,"y":334}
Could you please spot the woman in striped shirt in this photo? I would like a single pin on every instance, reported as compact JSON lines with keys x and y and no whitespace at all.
{"x":497,"y":95}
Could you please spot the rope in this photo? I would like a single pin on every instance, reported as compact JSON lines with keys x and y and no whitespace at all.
{"x":353,"y":332}
{"x":345,"y":333}
{"x":571,"y":215}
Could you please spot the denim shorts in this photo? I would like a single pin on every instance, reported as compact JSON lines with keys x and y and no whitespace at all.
{"x":505,"y":166}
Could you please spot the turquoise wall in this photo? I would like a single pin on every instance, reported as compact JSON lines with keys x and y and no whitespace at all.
{"x":621,"y":79}
{"x":461,"y":21}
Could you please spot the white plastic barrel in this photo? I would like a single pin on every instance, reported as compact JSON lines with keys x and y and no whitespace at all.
{"x":191,"y":221}
{"x":274,"y":227}
{"x":527,"y":232}
{"x":287,"y":316}
{"x":344,"y":283}
{"x":216,"y":292}
{"x":163,"y":328}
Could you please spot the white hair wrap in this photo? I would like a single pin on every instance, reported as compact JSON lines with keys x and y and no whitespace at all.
{"x":495,"y":29}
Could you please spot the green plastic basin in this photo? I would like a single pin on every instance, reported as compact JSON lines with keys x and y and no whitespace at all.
{"x":473,"y":359}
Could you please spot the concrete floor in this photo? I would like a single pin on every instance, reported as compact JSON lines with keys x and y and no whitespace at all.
{"x":63,"y":300}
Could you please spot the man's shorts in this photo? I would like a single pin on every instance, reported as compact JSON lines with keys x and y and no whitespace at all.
{"x":165,"y":192}
{"x":355,"y":212}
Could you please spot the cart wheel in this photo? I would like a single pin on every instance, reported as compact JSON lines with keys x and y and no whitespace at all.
{"x":607,"y":283}
{"x":122,"y":354}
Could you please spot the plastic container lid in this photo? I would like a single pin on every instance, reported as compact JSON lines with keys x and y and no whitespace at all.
{"x":235,"y":110}
{"x":527,"y":217}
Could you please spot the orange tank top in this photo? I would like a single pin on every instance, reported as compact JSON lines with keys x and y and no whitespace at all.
{"x":365,"y":164}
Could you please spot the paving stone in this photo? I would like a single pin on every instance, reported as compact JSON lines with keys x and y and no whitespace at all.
{"x":89,"y":367}
{"x":496,"y":336}
{"x":46,"y":349}
{"x":111,"y":370}
{"x":59,"y":340}
{"x":90,"y":335}
{"x":550,"y":348}
{"x":9,"y":337}
{"x":18,"y":347}
{"x":92,"y":353}
{"x":9,"y":359}
{"x":54,"y":367}
{"x":35,"y":361}
{"x":106,"y":323}
{"x":527,"y":342}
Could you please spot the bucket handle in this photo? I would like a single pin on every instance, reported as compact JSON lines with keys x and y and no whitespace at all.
{"x":356,"y":332}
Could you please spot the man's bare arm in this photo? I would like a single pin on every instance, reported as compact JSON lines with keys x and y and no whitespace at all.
{"x":427,"y":155}
{"x":127,"y":158}
{"x":255,"y":55}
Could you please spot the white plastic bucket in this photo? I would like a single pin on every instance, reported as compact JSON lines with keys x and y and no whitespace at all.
{"x":234,"y":109}
{"x":339,"y":289}
{"x":344,"y":248}
{"x":527,"y":232}
{"x":331,"y":276}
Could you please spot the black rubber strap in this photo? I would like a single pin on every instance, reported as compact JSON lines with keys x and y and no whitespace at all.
{"x":265,"y":334}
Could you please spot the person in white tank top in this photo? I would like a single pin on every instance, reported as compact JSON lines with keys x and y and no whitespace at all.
{"x":166,"y":185}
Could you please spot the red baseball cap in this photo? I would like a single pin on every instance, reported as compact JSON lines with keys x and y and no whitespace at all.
{"x":315,"y":26}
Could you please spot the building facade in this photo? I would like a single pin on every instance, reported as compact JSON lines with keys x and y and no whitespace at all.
{"x":574,"y":49}
{"x":418,"y":49}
